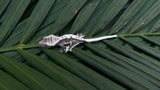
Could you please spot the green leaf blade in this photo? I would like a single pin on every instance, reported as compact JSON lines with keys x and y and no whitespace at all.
{"x":36,"y":18}
{"x":83,"y":72}
{"x":11,"y":18}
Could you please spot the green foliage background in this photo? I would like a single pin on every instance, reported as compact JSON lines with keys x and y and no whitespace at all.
{"x":130,"y":61}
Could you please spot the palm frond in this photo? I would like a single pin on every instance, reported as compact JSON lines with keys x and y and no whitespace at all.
{"x":130,"y":61}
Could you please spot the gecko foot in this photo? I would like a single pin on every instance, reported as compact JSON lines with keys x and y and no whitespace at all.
{"x":61,"y":50}
{"x":64,"y":50}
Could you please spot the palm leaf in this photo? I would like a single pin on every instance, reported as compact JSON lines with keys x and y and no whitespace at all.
{"x":130,"y":61}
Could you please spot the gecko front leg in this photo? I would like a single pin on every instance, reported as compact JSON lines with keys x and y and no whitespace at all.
{"x":62,"y":47}
{"x":68,"y":48}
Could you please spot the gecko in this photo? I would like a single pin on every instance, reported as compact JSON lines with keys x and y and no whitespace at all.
{"x":68,"y":41}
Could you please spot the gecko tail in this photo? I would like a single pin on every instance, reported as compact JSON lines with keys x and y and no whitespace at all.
{"x":100,"y":38}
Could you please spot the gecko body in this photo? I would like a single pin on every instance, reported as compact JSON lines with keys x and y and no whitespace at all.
{"x":68,"y":41}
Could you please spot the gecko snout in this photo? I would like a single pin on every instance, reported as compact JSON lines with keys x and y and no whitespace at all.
{"x":41,"y":44}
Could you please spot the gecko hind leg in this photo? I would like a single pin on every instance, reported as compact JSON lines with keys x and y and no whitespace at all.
{"x":73,"y":45}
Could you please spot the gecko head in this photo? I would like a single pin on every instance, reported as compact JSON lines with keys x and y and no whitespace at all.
{"x":49,"y":41}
